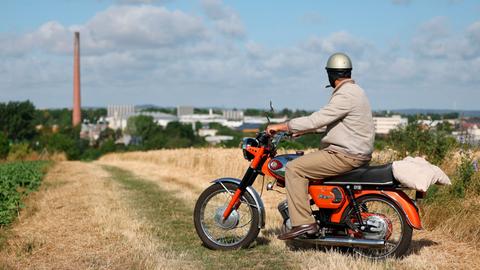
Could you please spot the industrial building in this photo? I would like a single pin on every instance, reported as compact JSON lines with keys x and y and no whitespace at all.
{"x":383,"y":125}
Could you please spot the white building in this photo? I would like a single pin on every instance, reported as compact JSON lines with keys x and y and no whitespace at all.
{"x":383,"y":125}
{"x":218,"y":139}
{"x":203,"y":132}
{"x":203,"y":118}
{"x":471,"y":135}
{"x":184,"y":110}
{"x":160,"y":118}
{"x":262,"y":120}
{"x":233,"y":114}
{"x":117,"y":115}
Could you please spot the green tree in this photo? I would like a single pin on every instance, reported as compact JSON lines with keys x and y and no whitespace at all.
{"x":142,"y":126}
{"x":17,"y":120}
{"x":4,"y":146}
{"x":107,"y":146}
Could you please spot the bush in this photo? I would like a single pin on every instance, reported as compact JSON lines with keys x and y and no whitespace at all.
{"x":4,"y":146}
{"x":107,"y":146}
{"x":91,"y":154}
{"x":463,"y":177}
{"x":19,"y":151}
{"x":416,"y":140}
{"x":71,"y":145}
{"x":17,"y":179}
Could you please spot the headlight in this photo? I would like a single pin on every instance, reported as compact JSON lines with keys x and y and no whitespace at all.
{"x":248,"y":142}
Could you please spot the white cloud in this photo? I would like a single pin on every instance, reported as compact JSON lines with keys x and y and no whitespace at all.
{"x":150,"y":54}
{"x":227,"y":21}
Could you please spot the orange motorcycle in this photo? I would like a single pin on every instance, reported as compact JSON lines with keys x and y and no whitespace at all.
{"x":365,"y":209}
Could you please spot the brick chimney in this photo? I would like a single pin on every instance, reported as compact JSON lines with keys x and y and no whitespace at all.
{"x":77,"y":114}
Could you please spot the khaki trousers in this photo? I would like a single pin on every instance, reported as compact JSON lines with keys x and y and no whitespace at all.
{"x":313,"y":166}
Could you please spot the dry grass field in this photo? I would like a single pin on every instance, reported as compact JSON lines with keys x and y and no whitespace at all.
{"x":134,"y":211}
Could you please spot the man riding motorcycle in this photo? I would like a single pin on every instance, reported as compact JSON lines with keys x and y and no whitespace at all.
{"x":348,"y":142}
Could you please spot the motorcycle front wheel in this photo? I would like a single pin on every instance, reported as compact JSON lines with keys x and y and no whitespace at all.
{"x":239,"y":230}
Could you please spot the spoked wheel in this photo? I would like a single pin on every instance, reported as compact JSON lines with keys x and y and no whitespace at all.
{"x":239,"y":230}
{"x":387,"y":222}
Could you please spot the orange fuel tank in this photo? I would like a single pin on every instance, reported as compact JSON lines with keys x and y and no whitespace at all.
{"x":329,"y":197}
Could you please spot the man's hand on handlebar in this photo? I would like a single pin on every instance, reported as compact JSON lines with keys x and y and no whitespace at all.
{"x":274,"y":128}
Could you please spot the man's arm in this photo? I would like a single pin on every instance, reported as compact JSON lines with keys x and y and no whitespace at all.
{"x":338,"y":107}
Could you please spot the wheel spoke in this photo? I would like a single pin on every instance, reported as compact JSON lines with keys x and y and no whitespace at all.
{"x":389,"y":226}
{"x":235,"y":228}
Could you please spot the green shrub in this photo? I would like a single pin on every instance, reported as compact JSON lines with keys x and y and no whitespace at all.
{"x":4,"y":146}
{"x":417,"y":140}
{"x":17,"y":179}
{"x":19,"y":151}
{"x":463,"y":177}
{"x":107,"y":146}
{"x":91,"y":154}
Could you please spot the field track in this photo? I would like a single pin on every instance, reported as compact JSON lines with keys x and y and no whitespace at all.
{"x":127,"y":213}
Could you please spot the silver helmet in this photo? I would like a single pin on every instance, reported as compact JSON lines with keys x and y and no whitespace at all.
{"x":339,"y":61}
{"x":339,"y":66}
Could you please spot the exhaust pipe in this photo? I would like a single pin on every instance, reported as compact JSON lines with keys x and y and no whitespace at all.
{"x":344,"y":242}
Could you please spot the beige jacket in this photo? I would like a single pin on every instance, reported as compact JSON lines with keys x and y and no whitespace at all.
{"x":419,"y":174}
{"x":349,"y":122}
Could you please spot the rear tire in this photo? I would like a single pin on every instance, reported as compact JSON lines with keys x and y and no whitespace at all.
{"x":204,"y":223}
{"x":406,"y":230}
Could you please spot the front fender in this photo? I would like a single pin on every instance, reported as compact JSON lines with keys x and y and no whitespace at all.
{"x":258,"y":201}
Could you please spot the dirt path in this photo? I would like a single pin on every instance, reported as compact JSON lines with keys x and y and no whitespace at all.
{"x":78,"y":220}
{"x":429,"y":250}
{"x":137,"y":215}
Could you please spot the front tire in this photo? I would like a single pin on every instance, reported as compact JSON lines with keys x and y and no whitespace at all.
{"x":238,"y":231}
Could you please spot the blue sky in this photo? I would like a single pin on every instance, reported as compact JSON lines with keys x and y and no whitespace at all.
{"x":406,"y":53}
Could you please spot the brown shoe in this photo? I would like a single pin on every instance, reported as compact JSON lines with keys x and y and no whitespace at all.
{"x":299,"y":230}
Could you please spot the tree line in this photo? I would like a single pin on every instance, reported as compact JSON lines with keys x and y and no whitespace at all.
{"x":25,"y":129}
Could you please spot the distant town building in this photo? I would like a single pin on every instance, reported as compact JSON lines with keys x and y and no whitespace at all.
{"x":160,"y":118}
{"x":470,"y":134}
{"x":218,"y":139}
{"x":117,"y":115}
{"x":184,"y":110}
{"x":204,"y":132}
{"x":383,"y":125}
{"x":92,"y":132}
{"x":262,"y":119}
{"x":233,"y":114}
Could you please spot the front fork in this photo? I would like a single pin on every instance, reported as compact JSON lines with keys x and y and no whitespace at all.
{"x":247,"y":180}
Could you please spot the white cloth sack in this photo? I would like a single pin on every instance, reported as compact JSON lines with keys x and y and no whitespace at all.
{"x":419,"y":174}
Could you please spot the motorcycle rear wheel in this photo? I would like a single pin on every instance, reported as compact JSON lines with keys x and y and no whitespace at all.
{"x":401,"y":235}
{"x":238,"y":231}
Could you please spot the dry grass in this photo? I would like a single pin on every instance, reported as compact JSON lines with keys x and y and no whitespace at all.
{"x":187,"y":172}
{"x":81,"y":219}
{"x":78,"y":221}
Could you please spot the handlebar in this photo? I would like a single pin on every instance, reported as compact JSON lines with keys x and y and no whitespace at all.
{"x":265,"y":138}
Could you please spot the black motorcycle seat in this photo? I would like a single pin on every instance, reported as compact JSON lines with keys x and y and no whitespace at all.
{"x":365,"y":175}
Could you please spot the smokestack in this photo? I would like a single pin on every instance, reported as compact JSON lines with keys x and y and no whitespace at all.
{"x":77,"y":114}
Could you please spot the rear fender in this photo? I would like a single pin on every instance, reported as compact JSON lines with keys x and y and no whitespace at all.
{"x":398,"y":196}
{"x":407,"y":205}
{"x":258,"y":201}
